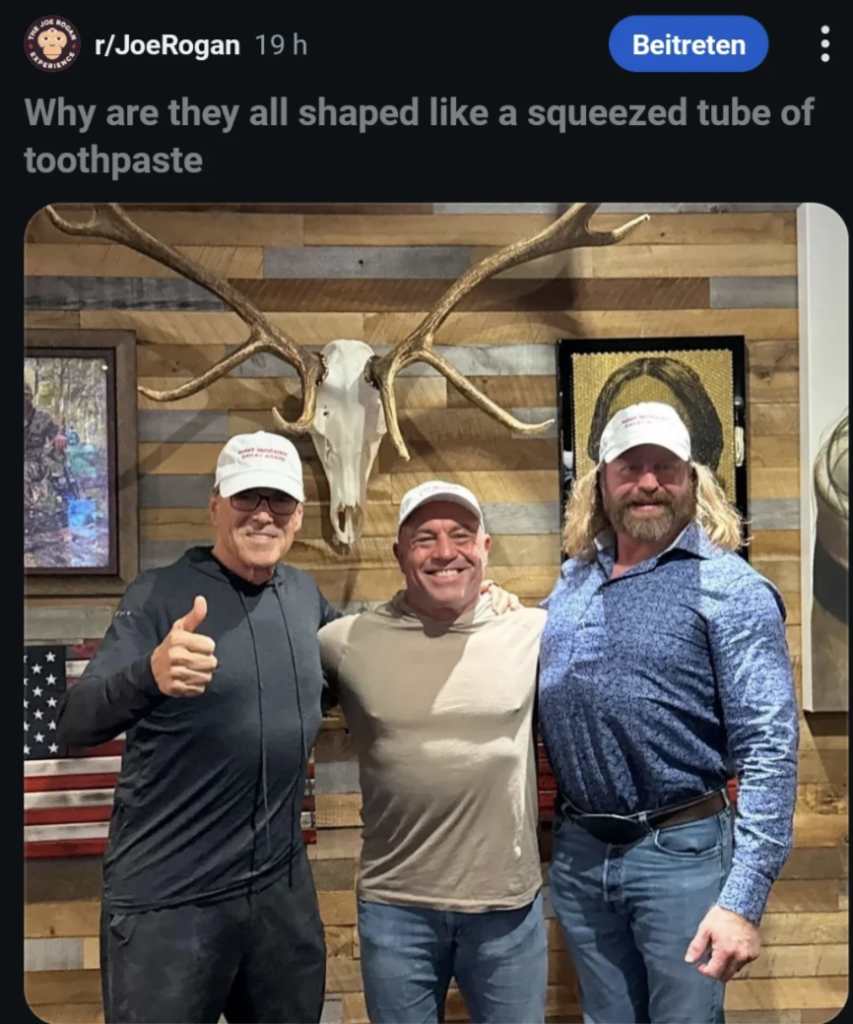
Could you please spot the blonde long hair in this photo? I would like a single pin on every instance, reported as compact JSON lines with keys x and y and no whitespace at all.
{"x":585,"y":517}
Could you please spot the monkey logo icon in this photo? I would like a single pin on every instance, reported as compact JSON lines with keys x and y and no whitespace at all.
{"x":52,"y":43}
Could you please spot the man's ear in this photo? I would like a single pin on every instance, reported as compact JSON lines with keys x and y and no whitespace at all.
{"x":298,"y":517}
{"x":212,"y":507}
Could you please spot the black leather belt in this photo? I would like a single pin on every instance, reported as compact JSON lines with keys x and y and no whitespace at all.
{"x":620,"y":830}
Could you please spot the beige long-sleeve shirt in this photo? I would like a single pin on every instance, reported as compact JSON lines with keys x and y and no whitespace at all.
{"x":441,"y":717}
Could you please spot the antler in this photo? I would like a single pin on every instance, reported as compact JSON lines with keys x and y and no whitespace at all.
{"x":570,"y":231}
{"x":115,"y":225}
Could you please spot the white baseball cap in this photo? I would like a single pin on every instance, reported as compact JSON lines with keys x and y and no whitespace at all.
{"x":437,"y":490}
{"x":259,"y":460}
{"x":645,"y":423}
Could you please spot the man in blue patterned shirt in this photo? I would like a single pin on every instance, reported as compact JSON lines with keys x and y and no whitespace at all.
{"x":664,"y":672}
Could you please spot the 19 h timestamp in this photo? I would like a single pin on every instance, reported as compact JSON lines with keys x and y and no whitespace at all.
{"x":277,"y":44}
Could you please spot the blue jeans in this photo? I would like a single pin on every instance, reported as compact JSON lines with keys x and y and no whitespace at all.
{"x":409,"y":955}
{"x":628,"y":914}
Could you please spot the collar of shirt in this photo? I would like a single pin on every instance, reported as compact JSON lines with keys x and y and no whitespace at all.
{"x":692,"y":540}
{"x":470,"y":619}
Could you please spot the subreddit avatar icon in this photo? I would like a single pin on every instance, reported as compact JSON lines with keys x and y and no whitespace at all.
{"x":52,"y":43}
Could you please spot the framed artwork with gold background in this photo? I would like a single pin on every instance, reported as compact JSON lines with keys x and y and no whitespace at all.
{"x":704,"y":379}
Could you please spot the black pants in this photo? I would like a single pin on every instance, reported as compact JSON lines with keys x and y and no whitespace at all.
{"x":258,"y":958}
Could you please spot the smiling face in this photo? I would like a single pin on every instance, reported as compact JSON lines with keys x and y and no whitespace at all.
{"x":251,"y":543}
{"x":648,"y":493}
{"x":52,"y":41}
{"x":442,"y":552}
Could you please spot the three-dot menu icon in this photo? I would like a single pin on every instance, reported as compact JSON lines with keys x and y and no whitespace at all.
{"x":825,"y":43}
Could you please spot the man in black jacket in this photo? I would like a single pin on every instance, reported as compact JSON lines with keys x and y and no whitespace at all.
{"x":211,"y":668}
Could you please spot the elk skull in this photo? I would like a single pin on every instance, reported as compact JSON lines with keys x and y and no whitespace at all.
{"x":348,"y":400}
{"x":348,"y":426}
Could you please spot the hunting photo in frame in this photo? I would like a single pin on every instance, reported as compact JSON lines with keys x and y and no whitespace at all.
{"x":702,"y":378}
{"x":80,"y":484}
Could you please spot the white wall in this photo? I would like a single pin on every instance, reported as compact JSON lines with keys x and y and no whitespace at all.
{"x":823,"y":257}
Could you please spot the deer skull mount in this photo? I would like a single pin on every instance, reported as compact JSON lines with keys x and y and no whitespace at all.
{"x":348,"y":427}
{"x":348,"y":400}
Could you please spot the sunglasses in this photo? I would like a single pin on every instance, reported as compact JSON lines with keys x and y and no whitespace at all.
{"x":250,"y":501}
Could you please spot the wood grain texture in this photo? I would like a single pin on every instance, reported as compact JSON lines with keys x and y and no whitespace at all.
{"x":52,"y":318}
{"x":775,"y":514}
{"x":505,"y":228}
{"x":62,"y":987}
{"x":336,"y":843}
{"x":366,"y":261}
{"x":804,"y":895}
{"x":337,"y":907}
{"x":185,"y":425}
{"x":554,"y":209}
{"x":62,"y":879}
{"x":339,"y":940}
{"x":754,"y":292}
{"x":500,"y":294}
{"x":60,"y":919}
{"x":819,"y":829}
{"x":54,"y":620}
{"x":674,"y":263}
{"x":807,"y":862}
{"x":787,"y":929}
{"x":546,"y":327}
{"x":774,"y":482}
{"x":53,"y":954}
{"x":176,"y":360}
{"x":214,"y":226}
{"x":778,"y":419}
{"x":264,"y":393}
{"x":91,"y":953}
{"x":775,"y":451}
{"x":183,"y":327}
{"x":129,"y":289}
{"x":521,"y":486}
{"x":509,"y":391}
{"x":779,"y":993}
{"x":773,"y":355}
{"x":459,"y":454}
{"x":100,"y":260}
{"x":71,"y":1013}
{"x":785,"y":574}
{"x":775,"y":544}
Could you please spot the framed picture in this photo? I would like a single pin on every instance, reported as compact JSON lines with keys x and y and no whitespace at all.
{"x":824,"y":510}
{"x":80,"y":477}
{"x":703,"y":378}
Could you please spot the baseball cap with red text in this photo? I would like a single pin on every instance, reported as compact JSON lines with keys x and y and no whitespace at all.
{"x":645,"y":423}
{"x":259,"y":460}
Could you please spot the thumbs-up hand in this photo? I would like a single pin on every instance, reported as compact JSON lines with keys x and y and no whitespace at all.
{"x":183,"y":663}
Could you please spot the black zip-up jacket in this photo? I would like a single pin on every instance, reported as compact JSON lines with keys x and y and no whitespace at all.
{"x":210,"y":792}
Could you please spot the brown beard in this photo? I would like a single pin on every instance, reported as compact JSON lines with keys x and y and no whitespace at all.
{"x":675,"y":514}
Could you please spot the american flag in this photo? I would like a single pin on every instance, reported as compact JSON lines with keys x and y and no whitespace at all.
{"x":68,"y":792}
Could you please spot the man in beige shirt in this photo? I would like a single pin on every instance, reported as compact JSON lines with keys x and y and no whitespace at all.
{"x":438,"y":693}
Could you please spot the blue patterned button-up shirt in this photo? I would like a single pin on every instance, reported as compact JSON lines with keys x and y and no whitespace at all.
{"x":661,"y":684}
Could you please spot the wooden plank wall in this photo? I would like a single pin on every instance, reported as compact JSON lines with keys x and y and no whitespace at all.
{"x":369,"y":273}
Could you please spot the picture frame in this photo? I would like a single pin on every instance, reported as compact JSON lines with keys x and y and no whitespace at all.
{"x":824,"y":519}
{"x":81,"y":518}
{"x":705,"y":378}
